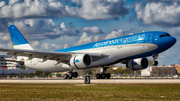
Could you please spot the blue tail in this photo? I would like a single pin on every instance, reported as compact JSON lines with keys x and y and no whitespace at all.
{"x":18,"y":40}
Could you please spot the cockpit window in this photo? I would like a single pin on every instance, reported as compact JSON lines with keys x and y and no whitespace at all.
{"x":168,"y":35}
{"x":164,"y":35}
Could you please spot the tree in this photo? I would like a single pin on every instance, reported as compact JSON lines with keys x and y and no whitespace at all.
{"x":22,"y":67}
{"x":127,"y":71}
{"x":21,"y":73}
{"x":38,"y":73}
{"x":12,"y":75}
{"x":138,"y":72}
{"x":90,"y":72}
{"x":31,"y":74}
{"x":47,"y":73}
{"x":83,"y":72}
{"x":110,"y":70}
{"x":58,"y":75}
{"x":118,"y":70}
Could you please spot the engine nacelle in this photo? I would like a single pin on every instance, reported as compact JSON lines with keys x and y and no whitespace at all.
{"x":81,"y":61}
{"x":138,"y":64}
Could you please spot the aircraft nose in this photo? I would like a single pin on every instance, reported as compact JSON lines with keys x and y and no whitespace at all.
{"x":173,"y":40}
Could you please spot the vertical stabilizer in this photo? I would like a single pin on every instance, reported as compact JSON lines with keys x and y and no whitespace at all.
{"x":18,"y":40}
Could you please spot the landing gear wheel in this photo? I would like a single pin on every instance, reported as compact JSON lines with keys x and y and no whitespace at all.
{"x":155,"y":63}
{"x":75,"y":74}
{"x":70,"y":75}
{"x":103,"y":75}
{"x":98,"y":76}
{"x":65,"y":76}
{"x":108,"y":75}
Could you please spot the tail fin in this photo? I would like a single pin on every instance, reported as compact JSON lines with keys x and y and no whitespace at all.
{"x":18,"y":40}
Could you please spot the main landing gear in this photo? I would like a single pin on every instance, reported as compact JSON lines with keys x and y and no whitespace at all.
{"x":70,"y":75}
{"x":155,"y":63}
{"x":103,"y":75}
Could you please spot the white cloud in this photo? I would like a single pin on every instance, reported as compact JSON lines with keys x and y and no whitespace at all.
{"x":115,"y":33}
{"x":63,"y":26}
{"x":66,"y":45}
{"x":93,"y":30}
{"x":87,"y":9}
{"x":2,"y":3}
{"x":44,"y":46}
{"x":161,"y":0}
{"x":101,"y":9}
{"x":88,"y":39}
{"x":39,"y":29}
{"x":7,"y":45}
{"x":160,"y":14}
{"x":11,"y":2}
{"x":84,"y":39}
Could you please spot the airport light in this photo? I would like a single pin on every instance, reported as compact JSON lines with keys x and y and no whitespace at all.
{"x":4,"y":71}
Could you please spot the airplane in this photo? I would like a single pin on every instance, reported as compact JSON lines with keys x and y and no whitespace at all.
{"x":130,"y":50}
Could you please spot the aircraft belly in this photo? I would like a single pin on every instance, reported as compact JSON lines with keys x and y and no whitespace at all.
{"x":131,"y":50}
{"x":123,"y":52}
{"x":48,"y":65}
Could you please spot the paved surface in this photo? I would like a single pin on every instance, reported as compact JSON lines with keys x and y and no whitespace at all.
{"x":123,"y":81}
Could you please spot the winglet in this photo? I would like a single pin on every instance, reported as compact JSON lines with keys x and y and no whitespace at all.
{"x":18,"y":40}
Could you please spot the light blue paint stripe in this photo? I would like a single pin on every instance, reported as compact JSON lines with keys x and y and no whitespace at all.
{"x":130,"y":41}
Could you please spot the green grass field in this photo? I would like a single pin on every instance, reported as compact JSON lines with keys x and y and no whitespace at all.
{"x":91,"y":92}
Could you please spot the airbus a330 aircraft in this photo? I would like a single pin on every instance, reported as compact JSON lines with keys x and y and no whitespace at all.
{"x":131,"y":50}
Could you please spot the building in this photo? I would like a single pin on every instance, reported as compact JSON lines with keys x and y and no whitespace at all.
{"x":12,"y":66}
{"x":9,"y":65}
{"x":159,"y":71}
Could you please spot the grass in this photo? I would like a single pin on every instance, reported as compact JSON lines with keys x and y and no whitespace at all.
{"x":92,"y":92}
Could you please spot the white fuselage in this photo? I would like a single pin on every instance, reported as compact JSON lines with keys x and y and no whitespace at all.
{"x":114,"y":53}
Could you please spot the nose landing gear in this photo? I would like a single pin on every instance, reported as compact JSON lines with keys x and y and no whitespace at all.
{"x":155,"y":63}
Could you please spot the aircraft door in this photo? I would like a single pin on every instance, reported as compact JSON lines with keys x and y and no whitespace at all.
{"x":149,"y":38}
{"x":119,"y":45}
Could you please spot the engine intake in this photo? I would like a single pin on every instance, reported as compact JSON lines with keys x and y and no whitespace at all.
{"x":80,"y":61}
{"x":138,"y":64}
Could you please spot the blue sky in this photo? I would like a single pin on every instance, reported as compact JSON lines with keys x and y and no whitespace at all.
{"x":55,"y":24}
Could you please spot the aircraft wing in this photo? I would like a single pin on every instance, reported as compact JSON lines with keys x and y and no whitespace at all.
{"x":61,"y":56}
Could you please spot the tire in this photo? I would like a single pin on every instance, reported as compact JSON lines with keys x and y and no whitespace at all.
{"x":98,"y":76}
{"x":75,"y":74}
{"x":65,"y":76}
{"x":70,"y":78}
{"x":155,"y":63}
{"x":103,"y":75}
{"x":108,"y":75}
{"x":70,"y":75}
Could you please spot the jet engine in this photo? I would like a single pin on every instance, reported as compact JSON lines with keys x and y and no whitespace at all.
{"x":80,"y":61}
{"x":137,"y":64}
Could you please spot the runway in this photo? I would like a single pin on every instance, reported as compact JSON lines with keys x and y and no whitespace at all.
{"x":120,"y":81}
